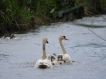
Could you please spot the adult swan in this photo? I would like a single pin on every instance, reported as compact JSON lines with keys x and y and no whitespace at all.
{"x":43,"y":63}
{"x":64,"y":57}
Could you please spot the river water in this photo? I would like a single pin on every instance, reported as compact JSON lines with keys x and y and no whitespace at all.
{"x":18,"y":57}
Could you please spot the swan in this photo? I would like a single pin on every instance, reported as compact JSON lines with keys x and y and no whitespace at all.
{"x":43,"y":63}
{"x":63,"y":57}
{"x":9,"y":36}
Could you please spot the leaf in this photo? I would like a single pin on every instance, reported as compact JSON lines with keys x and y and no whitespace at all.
{"x":68,"y":10}
{"x":52,"y":11}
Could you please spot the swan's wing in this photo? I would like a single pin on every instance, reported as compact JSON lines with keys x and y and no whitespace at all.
{"x":66,"y":58}
{"x":48,"y":63}
{"x":38,"y":63}
{"x":43,"y":63}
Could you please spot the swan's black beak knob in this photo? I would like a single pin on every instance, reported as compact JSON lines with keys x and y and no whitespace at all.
{"x":47,"y":42}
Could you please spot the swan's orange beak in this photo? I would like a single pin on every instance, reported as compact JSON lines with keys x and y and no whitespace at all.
{"x":66,"y":39}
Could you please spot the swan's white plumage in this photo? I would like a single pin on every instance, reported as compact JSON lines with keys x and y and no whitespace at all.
{"x":65,"y":56}
{"x":43,"y":63}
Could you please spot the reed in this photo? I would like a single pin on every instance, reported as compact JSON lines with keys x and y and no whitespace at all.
{"x":17,"y":14}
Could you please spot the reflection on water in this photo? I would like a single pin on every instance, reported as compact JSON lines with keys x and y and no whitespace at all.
{"x":18,"y":57}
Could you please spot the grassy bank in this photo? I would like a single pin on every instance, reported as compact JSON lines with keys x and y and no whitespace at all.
{"x":20,"y":15}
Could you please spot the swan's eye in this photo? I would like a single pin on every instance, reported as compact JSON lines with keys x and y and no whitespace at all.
{"x":64,"y":37}
{"x":47,"y":41}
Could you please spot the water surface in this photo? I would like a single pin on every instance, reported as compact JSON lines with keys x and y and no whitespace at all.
{"x":18,"y":57}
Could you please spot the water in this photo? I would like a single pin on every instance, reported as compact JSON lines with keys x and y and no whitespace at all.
{"x":18,"y":57}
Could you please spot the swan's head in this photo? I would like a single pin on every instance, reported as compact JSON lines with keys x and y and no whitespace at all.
{"x":63,"y":38}
{"x":45,"y":40}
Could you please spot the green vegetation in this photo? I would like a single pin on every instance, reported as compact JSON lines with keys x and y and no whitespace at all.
{"x":25,"y":14}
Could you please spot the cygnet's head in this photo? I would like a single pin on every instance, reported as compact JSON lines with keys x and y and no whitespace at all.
{"x":63,"y":38}
{"x":54,"y":54}
{"x":60,"y":58}
{"x":52,"y":58}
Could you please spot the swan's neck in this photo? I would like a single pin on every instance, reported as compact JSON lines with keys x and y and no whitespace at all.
{"x":61,"y":44}
{"x":44,"y":51}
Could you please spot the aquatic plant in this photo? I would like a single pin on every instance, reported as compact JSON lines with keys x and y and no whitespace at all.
{"x":24,"y":14}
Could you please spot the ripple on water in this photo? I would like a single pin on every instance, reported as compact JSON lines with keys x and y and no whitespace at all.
{"x":4,"y":56}
{"x":17,"y":58}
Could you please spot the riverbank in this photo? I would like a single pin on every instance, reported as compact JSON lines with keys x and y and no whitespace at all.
{"x":22,"y":16}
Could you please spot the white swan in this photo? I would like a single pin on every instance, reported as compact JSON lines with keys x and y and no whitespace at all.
{"x":9,"y":36}
{"x":43,"y":63}
{"x":64,"y":57}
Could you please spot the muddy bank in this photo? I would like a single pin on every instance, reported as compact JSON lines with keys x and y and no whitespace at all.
{"x":35,"y":22}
